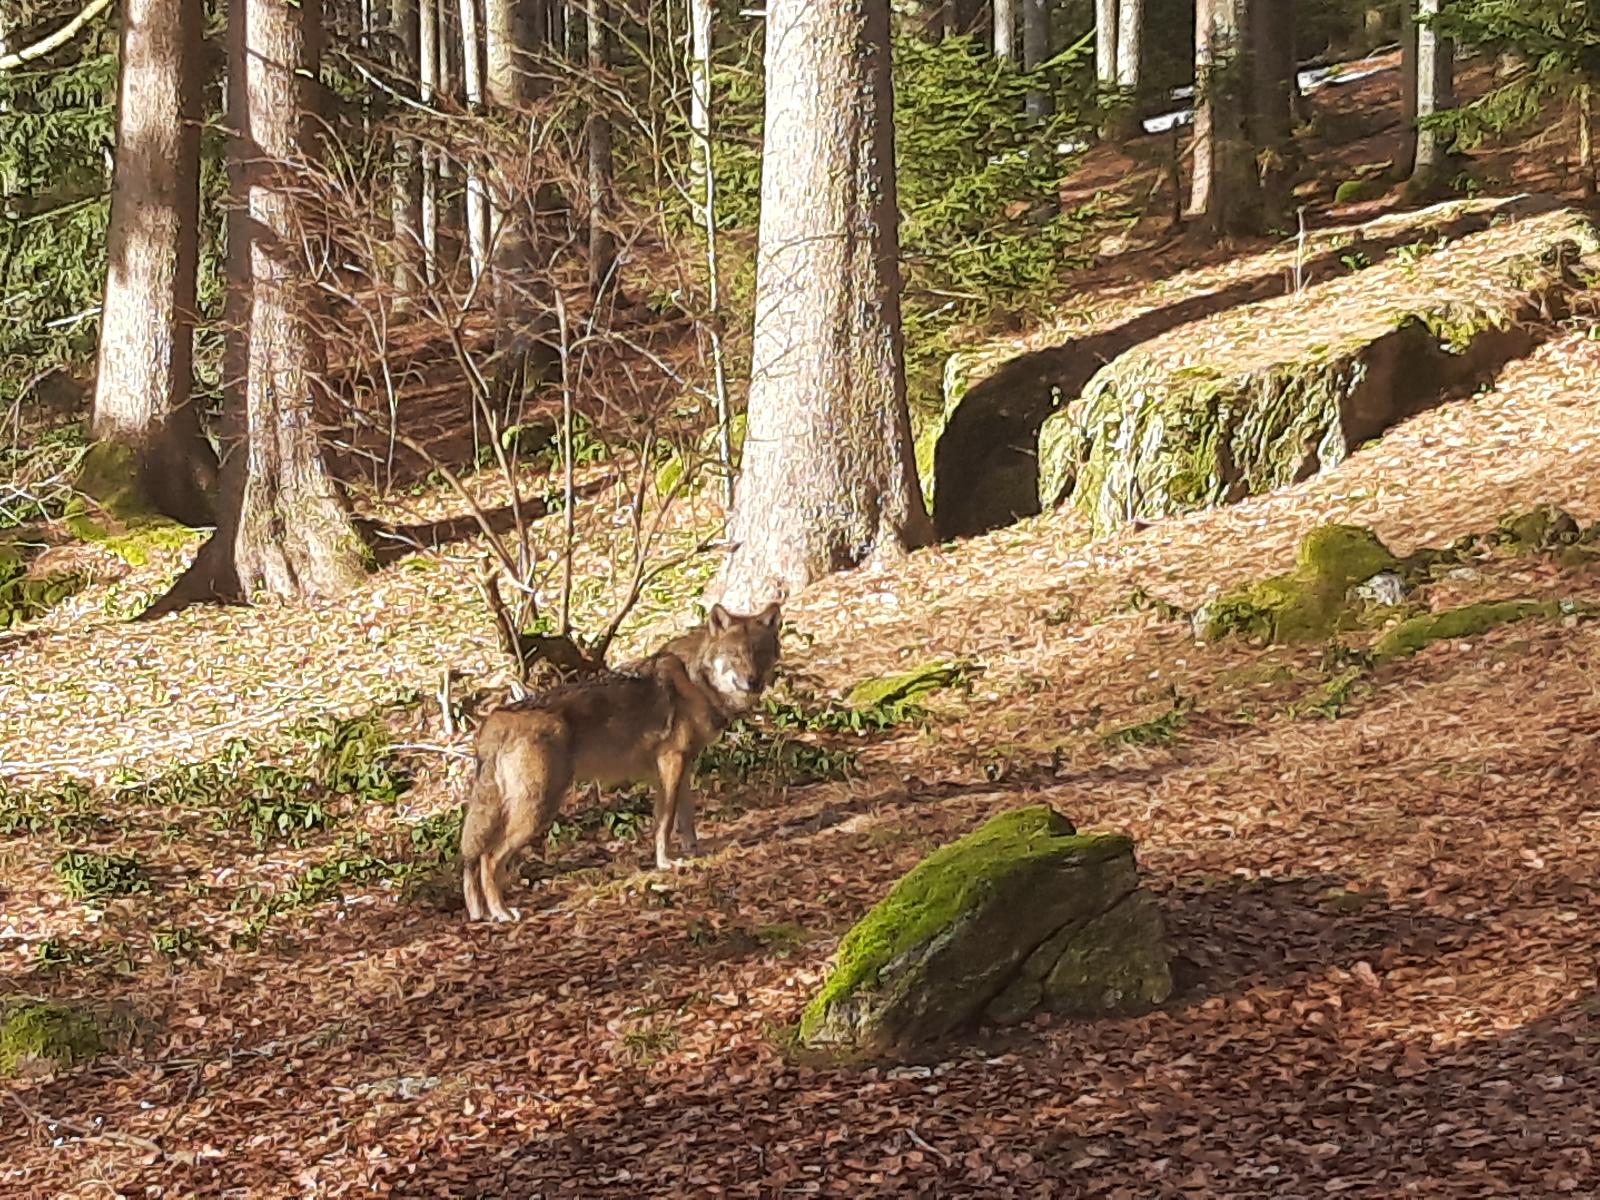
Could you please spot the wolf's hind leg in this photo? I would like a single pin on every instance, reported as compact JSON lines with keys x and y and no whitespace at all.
{"x":534,"y":781}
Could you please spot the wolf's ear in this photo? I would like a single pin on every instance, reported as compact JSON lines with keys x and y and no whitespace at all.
{"x":719,"y":619}
{"x":770,"y":615}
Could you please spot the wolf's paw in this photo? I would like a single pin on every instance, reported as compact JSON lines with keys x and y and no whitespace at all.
{"x":674,"y":864}
{"x":507,"y":916}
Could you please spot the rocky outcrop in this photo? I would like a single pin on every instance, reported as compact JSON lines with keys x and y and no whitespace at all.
{"x":1023,"y":913}
{"x":1262,"y":396}
{"x":983,"y":460}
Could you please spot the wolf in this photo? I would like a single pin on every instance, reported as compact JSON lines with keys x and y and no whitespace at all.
{"x":645,"y":722}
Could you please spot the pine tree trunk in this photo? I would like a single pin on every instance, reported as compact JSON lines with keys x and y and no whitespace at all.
{"x":700,"y":51}
{"x":1435,"y":94}
{"x":602,"y":244}
{"x":1226,"y":190}
{"x":405,"y":202}
{"x":427,"y":89}
{"x":1271,"y":116}
{"x":294,"y":536}
{"x":478,"y":221}
{"x":142,"y":399}
{"x":1005,"y":29}
{"x":828,"y":480}
{"x":1105,"y":43}
{"x":1406,"y":156}
{"x":1036,"y":51}
{"x":1130,"y":44}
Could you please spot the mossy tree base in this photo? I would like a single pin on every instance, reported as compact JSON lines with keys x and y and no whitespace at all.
{"x":1020,"y":914}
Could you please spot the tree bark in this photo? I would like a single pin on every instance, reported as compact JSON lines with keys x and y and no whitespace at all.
{"x":405,"y":203}
{"x":142,"y":386}
{"x":700,"y":61}
{"x":828,"y":479}
{"x":1226,"y":191}
{"x":1036,"y":51}
{"x":1406,"y":156}
{"x":602,"y":244}
{"x":1130,"y":44}
{"x":1435,"y":94}
{"x":472,"y":49}
{"x":1271,"y":114}
{"x":427,"y":89}
{"x":1105,"y":43}
{"x":1005,"y":29}
{"x":285,"y":530}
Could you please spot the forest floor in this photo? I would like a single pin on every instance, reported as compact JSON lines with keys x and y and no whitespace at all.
{"x":1387,"y":909}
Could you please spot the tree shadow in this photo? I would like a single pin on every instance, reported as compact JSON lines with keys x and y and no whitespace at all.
{"x":986,"y":460}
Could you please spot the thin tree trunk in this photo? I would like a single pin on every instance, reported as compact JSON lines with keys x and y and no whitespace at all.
{"x":452,"y":235}
{"x":1105,"y":43}
{"x":1406,"y":157}
{"x":602,"y":244}
{"x":406,"y":199}
{"x":828,"y":479}
{"x":700,"y":62}
{"x":1435,"y":94}
{"x":427,"y":88}
{"x":144,"y":374}
{"x":1200,"y":142}
{"x":1586,"y":140}
{"x":478,"y":230}
{"x":1036,"y":52}
{"x":1005,"y":29}
{"x":1130,"y":45}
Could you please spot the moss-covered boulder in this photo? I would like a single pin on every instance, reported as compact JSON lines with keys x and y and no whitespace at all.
{"x":1022,"y":913}
{"x":26,"y":595}
{"x":1257,"y":397}
{"x":40,"y":1036}
{"x":1307,"y":604}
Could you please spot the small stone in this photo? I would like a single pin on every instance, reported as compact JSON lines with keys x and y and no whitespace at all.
{"x":1386,"y":588}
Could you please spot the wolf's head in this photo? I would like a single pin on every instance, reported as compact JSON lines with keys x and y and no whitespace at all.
{"x":739,"y":654}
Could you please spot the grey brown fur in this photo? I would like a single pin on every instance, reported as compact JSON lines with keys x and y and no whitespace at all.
{"x":647,"y":722}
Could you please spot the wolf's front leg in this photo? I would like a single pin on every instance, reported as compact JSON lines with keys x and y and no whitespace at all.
{"x":670,"y":770}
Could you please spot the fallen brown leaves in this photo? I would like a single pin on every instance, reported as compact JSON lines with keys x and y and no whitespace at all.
{"x":1388,"y":920}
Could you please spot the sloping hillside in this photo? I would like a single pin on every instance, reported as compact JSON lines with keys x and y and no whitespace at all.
{"x":1385,"y":898}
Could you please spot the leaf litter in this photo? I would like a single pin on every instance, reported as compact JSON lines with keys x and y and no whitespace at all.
{"x":1387,"y":920}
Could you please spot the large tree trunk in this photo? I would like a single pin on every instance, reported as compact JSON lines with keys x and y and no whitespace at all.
{"x":1105,"y":43}
{"x":142,"y":398}
{"x":1005,"y":29}
{"x":513,"y":34}
{"x":1271,"y":115}
{"x":1435,"y":94}
{"x":602,"y":244}
{"x":1226,"y":190}
{"x":828,"y":480}
{"x":1036,"y":51}
{"x":295,"y":537}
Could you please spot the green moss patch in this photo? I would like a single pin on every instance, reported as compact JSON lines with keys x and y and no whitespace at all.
{"x":26,"y":597}
{"x":1470,"y":620}
{"x":1309,"y":603}
{"x":886,"y":691}
{"x":35,"y":1033}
